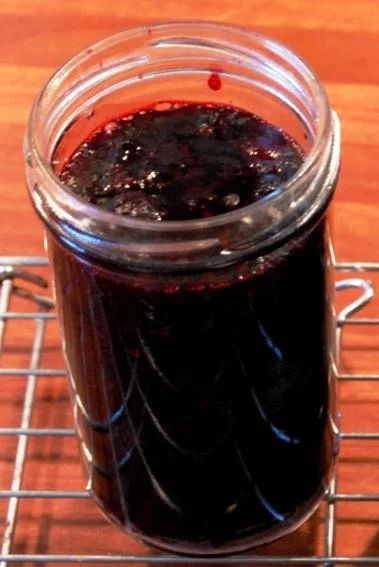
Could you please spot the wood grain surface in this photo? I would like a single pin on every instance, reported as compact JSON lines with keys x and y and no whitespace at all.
{"x":340,"y":39}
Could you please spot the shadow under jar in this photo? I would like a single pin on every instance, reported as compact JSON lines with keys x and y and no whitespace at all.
{"x":200,"y":352}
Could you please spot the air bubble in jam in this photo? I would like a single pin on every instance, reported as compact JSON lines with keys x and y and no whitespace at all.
{"x":160,"y":106}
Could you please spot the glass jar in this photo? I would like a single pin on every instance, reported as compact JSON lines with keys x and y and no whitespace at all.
{"x":200,"y":352}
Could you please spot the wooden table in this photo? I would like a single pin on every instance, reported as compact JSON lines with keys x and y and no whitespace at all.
{"x":340,"y":39}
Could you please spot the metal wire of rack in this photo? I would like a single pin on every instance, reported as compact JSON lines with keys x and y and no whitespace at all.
{"x":14,"y":272}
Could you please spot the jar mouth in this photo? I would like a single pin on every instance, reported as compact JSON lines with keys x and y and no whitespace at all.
{"x":244,"y":49}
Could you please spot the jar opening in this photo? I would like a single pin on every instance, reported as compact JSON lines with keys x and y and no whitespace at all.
{"x":175,"y":61}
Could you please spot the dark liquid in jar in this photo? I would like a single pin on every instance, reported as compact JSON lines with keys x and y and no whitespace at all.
{"x":203,"y":404}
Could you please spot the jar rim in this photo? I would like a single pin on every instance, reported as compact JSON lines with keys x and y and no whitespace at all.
{"x":183,"y":244}
{"x":96,"y":212}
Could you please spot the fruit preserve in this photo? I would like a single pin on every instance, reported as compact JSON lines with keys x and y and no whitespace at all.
{"x":190,"y":251}
{"x":180,"y":161}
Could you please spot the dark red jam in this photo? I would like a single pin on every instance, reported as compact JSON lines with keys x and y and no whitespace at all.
{"x":181,"y":161}
{"x":203,"y":409}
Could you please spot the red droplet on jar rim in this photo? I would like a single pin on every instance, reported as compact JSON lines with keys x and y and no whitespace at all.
{"x":214,"y":81}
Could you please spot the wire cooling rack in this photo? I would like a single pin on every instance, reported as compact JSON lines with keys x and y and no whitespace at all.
{"x":24,"y":304}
